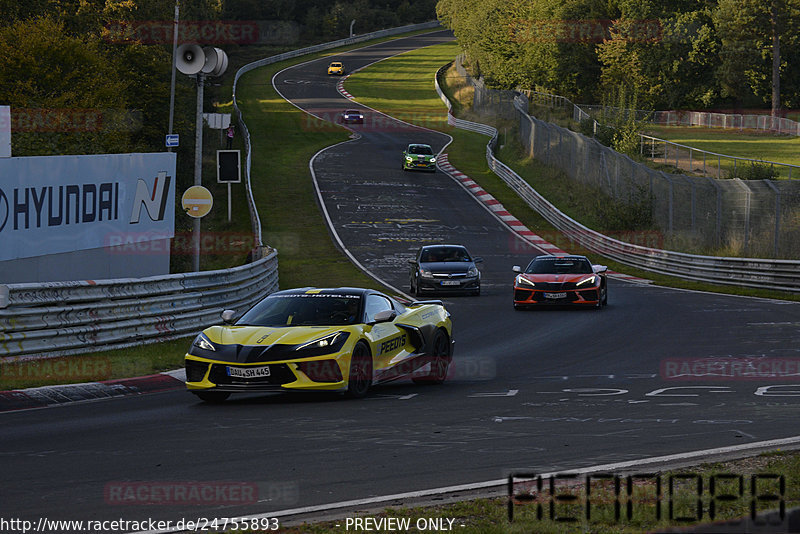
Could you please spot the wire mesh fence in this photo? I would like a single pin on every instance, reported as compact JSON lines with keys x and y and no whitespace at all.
{"x":696,"y":213}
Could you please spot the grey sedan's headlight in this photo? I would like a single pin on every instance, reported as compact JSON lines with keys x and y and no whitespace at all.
{"x":473,"y":271}
{"x":424,"y":273}
{"x":591,"y":280}
{"x":202,"y":342}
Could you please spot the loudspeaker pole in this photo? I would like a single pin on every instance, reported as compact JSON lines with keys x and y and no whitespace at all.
{"x":198,"y":166}
{"x":172,"y":82}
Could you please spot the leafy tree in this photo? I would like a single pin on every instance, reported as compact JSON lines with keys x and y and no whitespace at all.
{"x":664,"y":56}
{"x":43,"y":68}
{"x":756,"y":36}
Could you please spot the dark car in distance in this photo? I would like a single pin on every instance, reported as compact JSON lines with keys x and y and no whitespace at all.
{"x":352,"y":116}
{"x":444,"y":269}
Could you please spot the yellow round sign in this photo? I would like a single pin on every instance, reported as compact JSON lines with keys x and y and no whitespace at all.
{"x":197,"y":201}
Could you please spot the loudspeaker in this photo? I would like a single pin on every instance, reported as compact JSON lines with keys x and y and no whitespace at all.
{"x":191,"y":59}
{"x":216,"y":61}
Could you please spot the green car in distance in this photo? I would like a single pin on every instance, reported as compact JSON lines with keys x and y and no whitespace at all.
{"x":418,"y":156}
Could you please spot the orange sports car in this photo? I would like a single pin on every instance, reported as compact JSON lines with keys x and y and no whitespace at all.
{"x":560,"y":280}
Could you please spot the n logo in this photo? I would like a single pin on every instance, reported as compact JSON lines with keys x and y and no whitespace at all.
{"x":155,"y":202}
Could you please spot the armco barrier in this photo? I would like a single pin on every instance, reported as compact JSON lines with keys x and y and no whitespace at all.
{"x":751,"y":272}
{"x":289,"y":55}
{"x":63,"y":318}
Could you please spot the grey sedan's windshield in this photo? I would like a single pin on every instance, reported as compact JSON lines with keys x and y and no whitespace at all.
{"x":444,"y":254}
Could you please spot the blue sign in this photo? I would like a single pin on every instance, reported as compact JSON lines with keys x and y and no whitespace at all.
{"x":172,"y":140}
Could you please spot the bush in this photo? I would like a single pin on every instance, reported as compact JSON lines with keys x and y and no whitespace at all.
{"x":754,"y":171}
{"x":586,"y":127}
{"x":605,"y":134}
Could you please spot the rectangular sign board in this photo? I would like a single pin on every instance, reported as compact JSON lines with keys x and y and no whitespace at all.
{"x":229,"y":168}
{"x":56,"y":204}
{"x":172,"y":140}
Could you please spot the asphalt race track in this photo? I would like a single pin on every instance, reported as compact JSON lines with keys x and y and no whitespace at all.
{"x":543,"y":391}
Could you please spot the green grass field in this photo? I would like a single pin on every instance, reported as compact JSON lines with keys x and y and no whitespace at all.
{"x":745,"y":144}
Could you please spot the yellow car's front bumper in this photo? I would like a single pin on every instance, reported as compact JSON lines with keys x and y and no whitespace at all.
{"x":322,"y":373}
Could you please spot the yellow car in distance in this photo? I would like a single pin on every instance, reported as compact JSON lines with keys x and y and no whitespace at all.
{"x":336,"y":67}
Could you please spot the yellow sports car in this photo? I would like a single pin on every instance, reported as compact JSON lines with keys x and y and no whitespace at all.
{"x":342,"y":339}
{"x":336,"y":67}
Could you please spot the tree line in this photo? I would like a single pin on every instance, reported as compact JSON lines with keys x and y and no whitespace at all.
{"x":665,"y":54}
{"x":75,"y":88}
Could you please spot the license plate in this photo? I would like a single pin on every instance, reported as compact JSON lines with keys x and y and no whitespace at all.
{"x":562,"y":295}
{"x":450,"y":282}
{"x":248,"y":372}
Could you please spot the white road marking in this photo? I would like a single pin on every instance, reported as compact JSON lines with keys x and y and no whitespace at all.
{"x":509,"y":393}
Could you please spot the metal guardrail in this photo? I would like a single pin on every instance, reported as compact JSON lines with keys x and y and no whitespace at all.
{"x":256,"y":221}
{"x":63,"y":318}
{"x":751,"y":272}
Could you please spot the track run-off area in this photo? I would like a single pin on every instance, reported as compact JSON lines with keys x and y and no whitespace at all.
{"x":540,"y":391}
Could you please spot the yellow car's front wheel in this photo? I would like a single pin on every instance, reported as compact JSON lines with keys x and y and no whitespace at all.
{"x":439,"y":361}
{"x":360,"y":377}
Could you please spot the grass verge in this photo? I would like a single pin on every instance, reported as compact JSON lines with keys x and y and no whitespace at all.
{"x":743,"y":144}
{"x":284,"y":140}
{"x":410,"y":94}
{"x":489,"y":516}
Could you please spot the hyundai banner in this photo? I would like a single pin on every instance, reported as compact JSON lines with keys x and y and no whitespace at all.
{"x":56,"y":204}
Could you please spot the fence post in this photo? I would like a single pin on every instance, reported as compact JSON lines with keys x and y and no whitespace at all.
{"x":677,"y":153}
{"x":718,"y":210}
{"x":671,"y":197}
{"x":776,"y":240}
{"x":747,"y":192}
{"x":691,"y":183}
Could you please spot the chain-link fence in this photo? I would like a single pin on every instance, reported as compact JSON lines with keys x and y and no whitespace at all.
{"x":697,"y":214}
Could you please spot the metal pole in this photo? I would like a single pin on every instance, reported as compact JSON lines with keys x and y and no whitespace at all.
{"x":777,"y":191}
{"x":229,"y":202}
{"x":198,"y":167}
{"x":172,"y":81}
